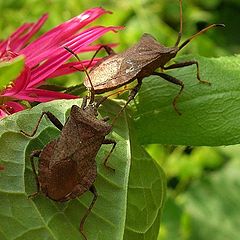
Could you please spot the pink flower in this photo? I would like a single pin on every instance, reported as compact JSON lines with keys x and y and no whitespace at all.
{"x":46,"y":57}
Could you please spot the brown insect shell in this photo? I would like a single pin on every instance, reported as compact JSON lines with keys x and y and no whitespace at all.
{"x":67,"y":166}
{"x":137,"y":62}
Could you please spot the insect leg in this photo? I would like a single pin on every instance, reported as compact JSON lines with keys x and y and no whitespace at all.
{"x":94,"y":191}
{"x":174,"y":81}
{"x":35,"y":153}
{"x":109,"y":141}
{"x":51,"y":117}
{"x":131,"y":96}
{"x":185,"y":64}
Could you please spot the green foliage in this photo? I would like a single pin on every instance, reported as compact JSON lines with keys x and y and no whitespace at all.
{"x":158,"y":17}
{"x":203,"y":182}
{"x":220,"y":207}
{"x":9,"y":71}
{"x":210,"y":114}
{"x":138,"y":184}
{"x":207,"y":210}
{"x":123,"y":195}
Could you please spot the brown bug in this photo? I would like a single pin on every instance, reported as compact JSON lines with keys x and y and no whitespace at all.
{"x":67,"y":165}
{"x":140,"y":61}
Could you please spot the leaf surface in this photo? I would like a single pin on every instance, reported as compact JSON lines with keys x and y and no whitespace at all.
{"x":210,"y":114}
{"x":123,"y":196}
{"x":10,"y":70}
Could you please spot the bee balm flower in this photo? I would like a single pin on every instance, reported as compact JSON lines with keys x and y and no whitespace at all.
{"x":46,"y":57}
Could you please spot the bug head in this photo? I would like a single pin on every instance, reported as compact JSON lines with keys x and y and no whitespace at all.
{"x":183,"y":44}
{"x":91,"y":109}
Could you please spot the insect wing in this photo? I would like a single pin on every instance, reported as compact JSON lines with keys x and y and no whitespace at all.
{"x":62,"y":180}
{"x":119,"y":69}
{"x":105,"y":71}
{"x":68,"y":142}
{"x":139,"y":56}
{"x":44,"y":163}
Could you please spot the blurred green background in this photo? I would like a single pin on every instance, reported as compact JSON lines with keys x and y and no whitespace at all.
{"x":203,"y":183}
{"x":160,"y":18}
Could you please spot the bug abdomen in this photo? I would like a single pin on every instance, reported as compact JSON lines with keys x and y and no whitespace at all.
{"x":62,"y":178}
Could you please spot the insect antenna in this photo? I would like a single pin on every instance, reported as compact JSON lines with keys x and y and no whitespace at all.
{"x":92,"y":91}
{"x":180,"y":29}
{"x":198,"y":33}
{"x":195,"y":35}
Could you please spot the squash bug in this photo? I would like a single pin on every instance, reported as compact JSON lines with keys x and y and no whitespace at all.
{"x":140,"y":61}
{"x":67,"y":165}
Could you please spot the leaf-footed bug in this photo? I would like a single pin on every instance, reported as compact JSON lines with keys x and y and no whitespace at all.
{"x":67,"y":165}
{"x":140,"y":61}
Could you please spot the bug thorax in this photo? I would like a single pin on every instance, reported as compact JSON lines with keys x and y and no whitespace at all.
{"x":151,"y":54}
{"x":88,"y":117}
{"x":91,"y":110}
{"x":149,"y":44}
{"x":166,"y":54}
{"x":87,"y":112}
{"x":148,"y":55}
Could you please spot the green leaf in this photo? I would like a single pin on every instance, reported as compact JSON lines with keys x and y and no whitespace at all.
{"x":208,"y":209}
{"x":213,"y":205}
{"x":122,"y":196}
{"x":10,"y":70}
{"x":210,"y":114}
{"x":145,"y":192}
{"x":171,"y":225}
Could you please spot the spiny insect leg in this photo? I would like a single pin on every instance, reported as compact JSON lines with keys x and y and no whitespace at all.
{"x":94,"y":191}
{"x":174,"y":81}
{"x":131,"y":96}
{"x":51,"y":117}
{"x":109,"y":141}
{"x":185,"y":64}
{"x":35,"y":153}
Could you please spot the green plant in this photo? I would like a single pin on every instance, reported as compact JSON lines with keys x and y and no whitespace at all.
{"x":131,"y":201}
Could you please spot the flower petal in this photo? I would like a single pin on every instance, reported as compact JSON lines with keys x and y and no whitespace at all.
{"x":73,"y":67}
{"x":46,"y":57}
{"x":21,"y":36}
{"x":42,"y":72}
{"x":9,"y":108}
{"x":42,"y":95}
{"x":87,"y":37}
{"x":14,"y":36}
{"x":2,"y":114}
{"x":20,"y":42}
{"x":59,"y":34}
{"x":16,"y":107}
{"x":94,"y":48}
